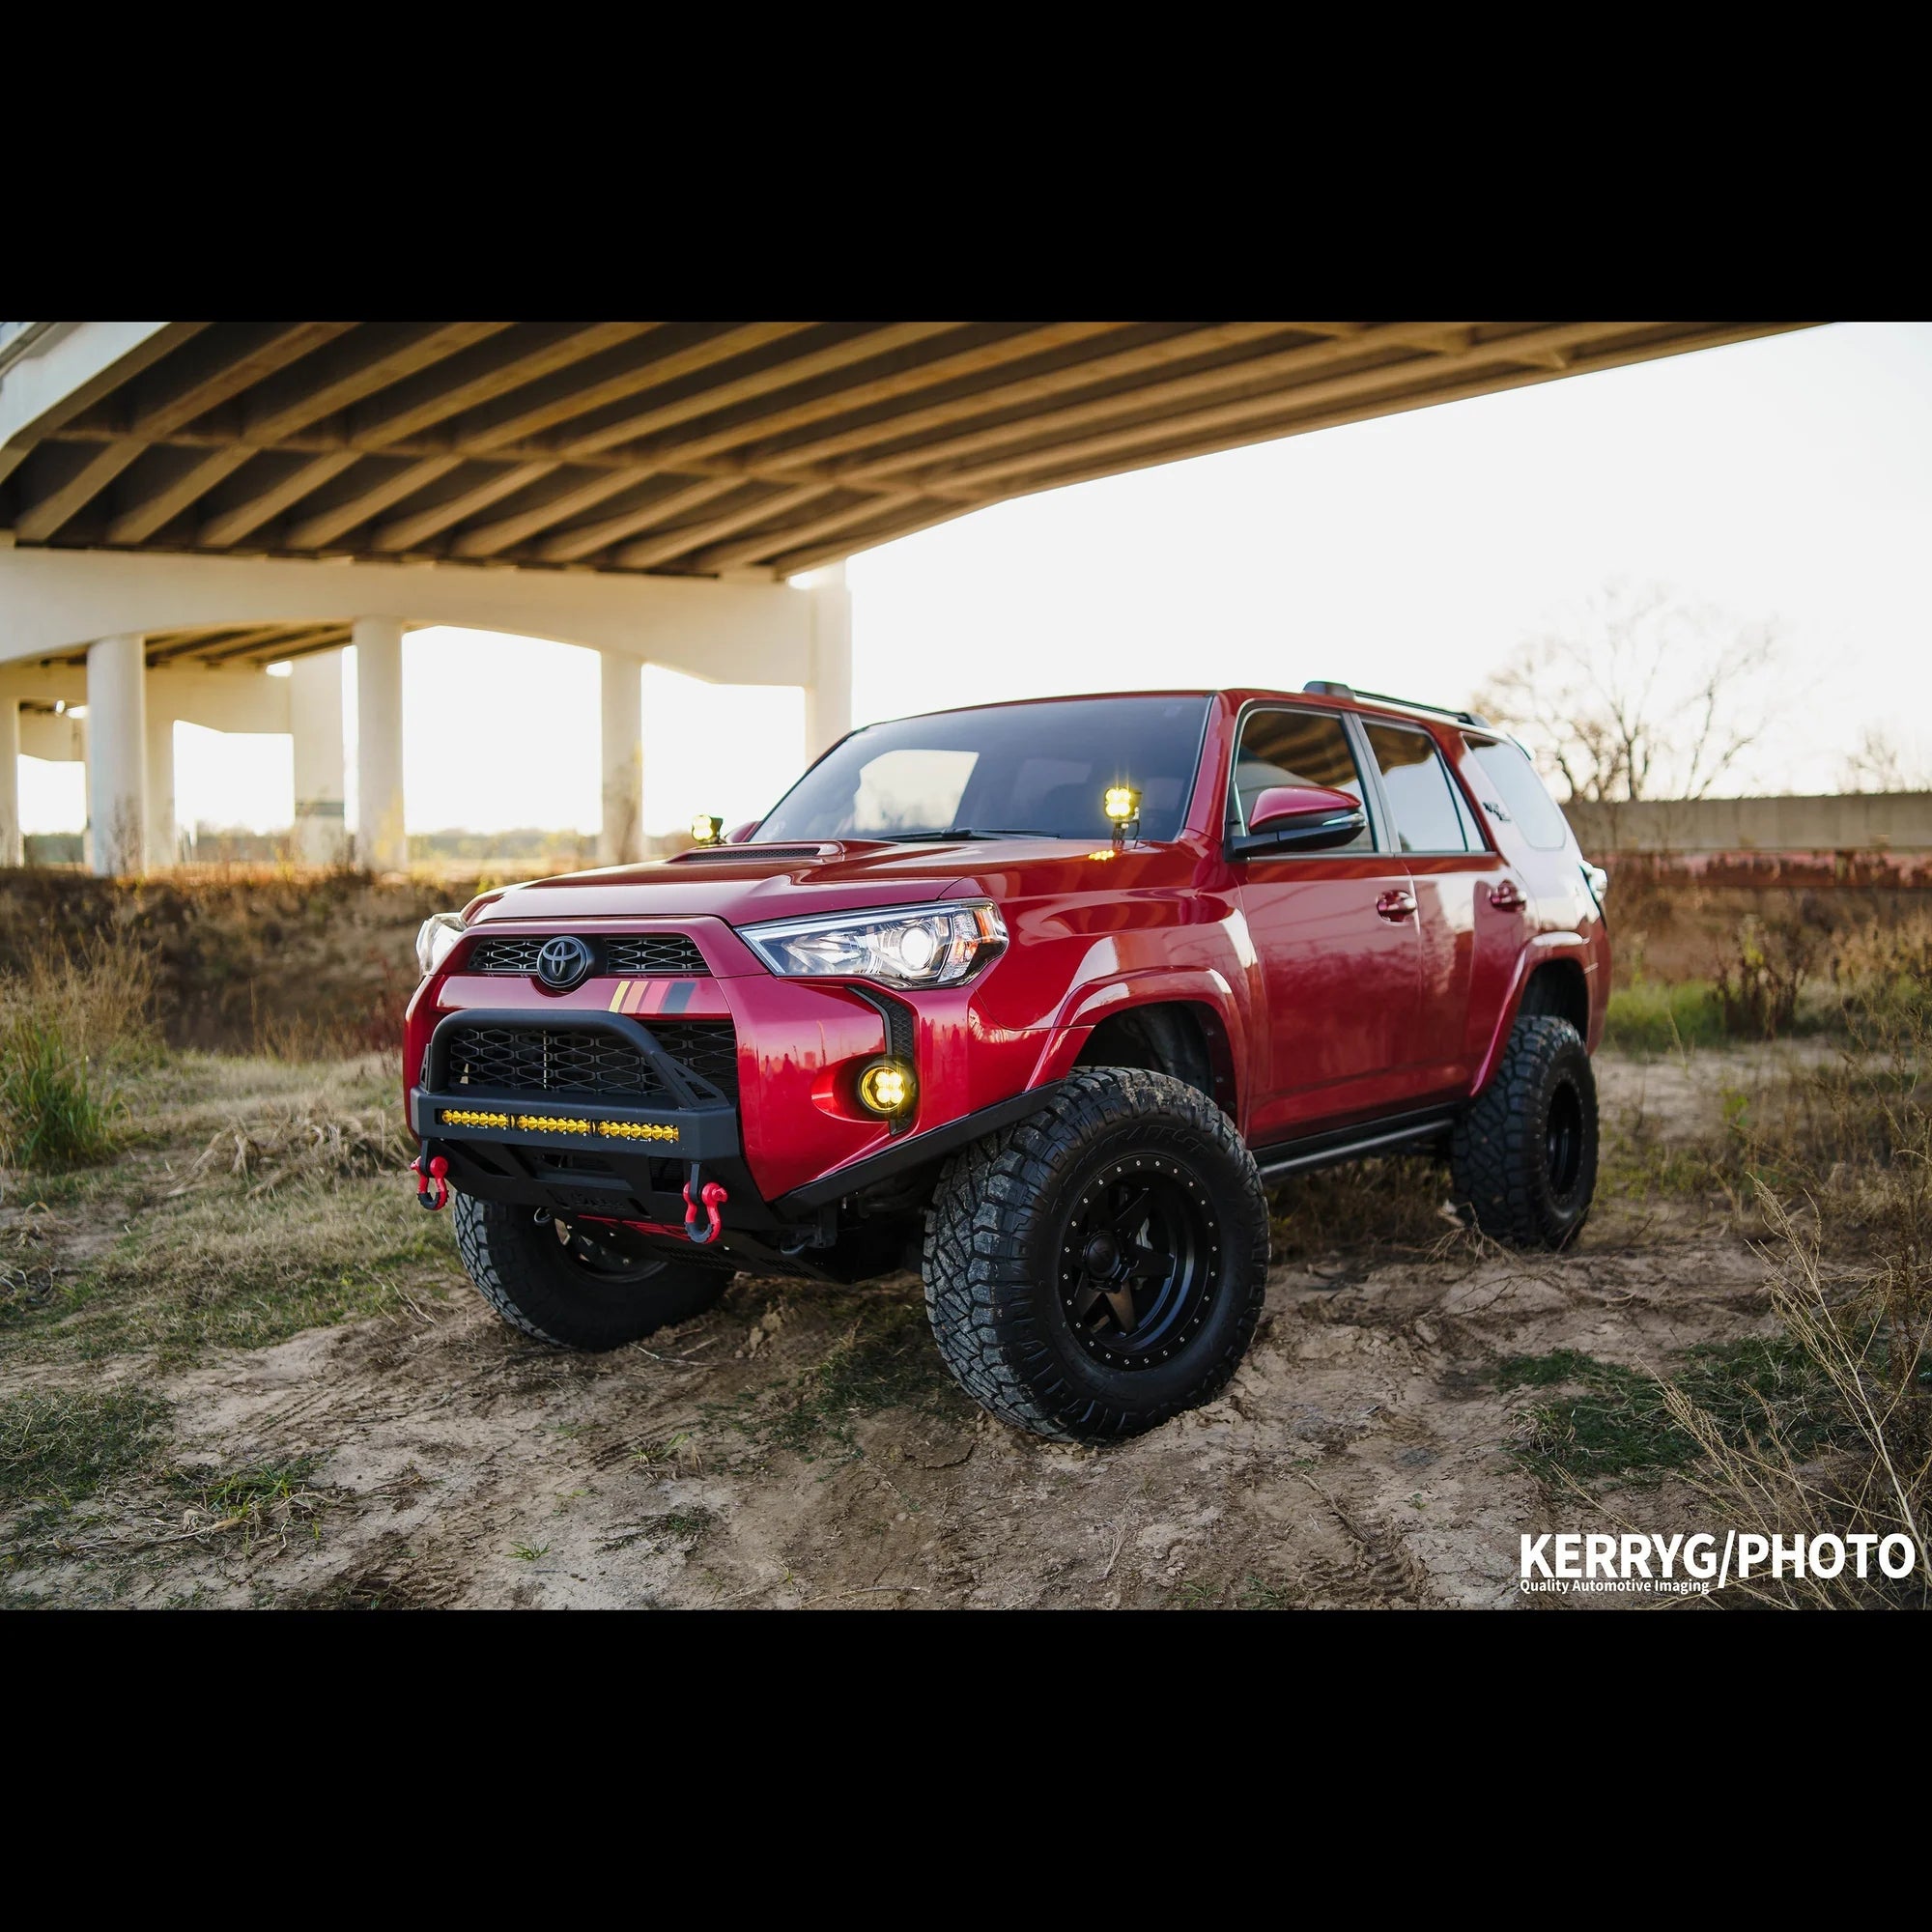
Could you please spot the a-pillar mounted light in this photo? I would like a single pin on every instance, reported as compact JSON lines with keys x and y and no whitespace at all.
{"x":707,"y":829}
{"x":1122,"y":807}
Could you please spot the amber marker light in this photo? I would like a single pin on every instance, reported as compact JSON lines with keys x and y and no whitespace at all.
{"x":888,"y":1086}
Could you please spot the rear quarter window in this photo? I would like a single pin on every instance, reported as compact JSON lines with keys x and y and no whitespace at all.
{"x":1538,"y":816}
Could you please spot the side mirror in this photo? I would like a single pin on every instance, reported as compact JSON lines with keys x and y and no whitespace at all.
{"x":740,"y":835}
{"x":1301,"y":818}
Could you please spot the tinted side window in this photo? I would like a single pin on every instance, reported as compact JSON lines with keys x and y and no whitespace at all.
{"x":1536,"y":814}
{"x":1293,"y":748}
{"x":1421,"y":793}
{"x":1472,"y":835}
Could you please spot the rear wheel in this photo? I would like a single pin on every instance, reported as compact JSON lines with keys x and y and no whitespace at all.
{"x":577,"y":1283}
{"x":1525,"y":1153}
{"x":1100,"y":1266}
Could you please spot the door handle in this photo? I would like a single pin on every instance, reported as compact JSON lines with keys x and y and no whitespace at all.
{"x":1507,"y":897}
{"x":1396,"y":905}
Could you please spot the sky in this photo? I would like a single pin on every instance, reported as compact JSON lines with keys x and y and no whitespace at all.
{"x":1785,"y":479}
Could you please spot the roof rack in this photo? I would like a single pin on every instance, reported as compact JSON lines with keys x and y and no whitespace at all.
{"x":1324,"y":687}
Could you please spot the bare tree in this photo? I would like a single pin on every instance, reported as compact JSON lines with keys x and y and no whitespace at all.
{"x":1882,"y":764}
{"x":1640,"y":694}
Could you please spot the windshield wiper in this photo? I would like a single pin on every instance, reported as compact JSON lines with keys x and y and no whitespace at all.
{"x":996,"y":832}
{"x":956,"y":831}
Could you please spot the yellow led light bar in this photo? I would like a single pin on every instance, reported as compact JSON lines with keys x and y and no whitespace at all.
{"x":556,"y":1123}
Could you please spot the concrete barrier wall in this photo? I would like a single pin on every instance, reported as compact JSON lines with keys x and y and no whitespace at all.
{"x":1894,"y":822}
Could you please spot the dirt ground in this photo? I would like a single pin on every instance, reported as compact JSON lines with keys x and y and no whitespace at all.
{"x":796,"y":1447}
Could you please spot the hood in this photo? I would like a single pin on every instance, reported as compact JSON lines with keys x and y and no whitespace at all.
{"x":741,"y":884}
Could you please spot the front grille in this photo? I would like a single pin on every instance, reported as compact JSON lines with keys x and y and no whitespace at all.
{"x":540,"y":1060}
{"x":506,"y":955}
{"x":667,"y":954}
{"x":708,"y":1047}
{"x":587,"y":1061}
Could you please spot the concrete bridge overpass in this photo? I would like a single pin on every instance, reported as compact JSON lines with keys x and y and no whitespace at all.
{"x":183,"y":503}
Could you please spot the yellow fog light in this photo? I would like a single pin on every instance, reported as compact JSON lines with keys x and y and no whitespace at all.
{"x":706,"y":830}
{"x":888,"y":1086}
{"x":1123,"y":803}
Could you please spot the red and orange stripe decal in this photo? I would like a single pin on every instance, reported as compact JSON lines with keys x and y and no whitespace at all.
{"x":654,"y":997}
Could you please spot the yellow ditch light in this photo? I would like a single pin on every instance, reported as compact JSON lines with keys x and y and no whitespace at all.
{"x":888,"y":1086}
{"x":554,"y":1123}
{"x":707,"y":829}
{"x":1122,"y":807}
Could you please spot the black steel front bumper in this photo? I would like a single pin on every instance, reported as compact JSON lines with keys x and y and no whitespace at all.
{"x":581,"y":1153}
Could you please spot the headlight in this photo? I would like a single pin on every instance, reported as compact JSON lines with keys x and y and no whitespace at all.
{"x":435,"y":938}
{"x":920,"y":946}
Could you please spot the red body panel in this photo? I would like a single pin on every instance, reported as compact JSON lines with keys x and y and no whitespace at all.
{"x":1321,"y":1009}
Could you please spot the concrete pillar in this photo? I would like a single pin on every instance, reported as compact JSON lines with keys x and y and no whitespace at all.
{"x":620,"y":684}
{"x":117,"y":755}
{"x":827,"y":697}
{"x":161,"y":846}
{"x":315,"y":717}
{"x":381,"y":844}
{"x":10,"y":781}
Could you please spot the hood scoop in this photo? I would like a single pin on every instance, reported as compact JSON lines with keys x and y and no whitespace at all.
{"x":701,"y":855}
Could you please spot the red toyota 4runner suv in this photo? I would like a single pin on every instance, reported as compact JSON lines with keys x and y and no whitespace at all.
{"x":1035,"y":998}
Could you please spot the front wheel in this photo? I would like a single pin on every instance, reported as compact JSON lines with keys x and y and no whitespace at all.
{"x":1100,"y":1266}
{"x":1524,"y":1156}
{"x":577,"y":1283}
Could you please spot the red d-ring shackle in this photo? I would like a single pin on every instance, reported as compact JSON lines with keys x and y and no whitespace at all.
{"x":714,"y":1196}
{"x":430,"y":1173}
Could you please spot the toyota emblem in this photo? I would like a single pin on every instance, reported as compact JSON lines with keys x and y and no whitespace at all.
{"x":562,"y":963}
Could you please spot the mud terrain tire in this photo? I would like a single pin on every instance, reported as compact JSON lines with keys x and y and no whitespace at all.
{"x":1524,"y":1155}
{"x":1044,"y":1253}
{"x":536,"y":1284}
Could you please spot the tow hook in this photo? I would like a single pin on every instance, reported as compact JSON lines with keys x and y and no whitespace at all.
{"x":432,"y":1186}
{"x":713,"y":1196}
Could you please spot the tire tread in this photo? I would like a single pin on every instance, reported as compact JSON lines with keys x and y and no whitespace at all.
{"x":978,"y":1286}
{"x":1495,"y":1150}
{"x":497,"y":1253}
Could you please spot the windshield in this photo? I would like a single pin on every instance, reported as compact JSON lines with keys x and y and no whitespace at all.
{"x":1015,"y":767}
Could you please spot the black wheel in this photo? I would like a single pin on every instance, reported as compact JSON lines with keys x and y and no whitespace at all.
{"x":1100,"y":1266}
{"x":575,"y":1284}
{"x":1525,"y":1153}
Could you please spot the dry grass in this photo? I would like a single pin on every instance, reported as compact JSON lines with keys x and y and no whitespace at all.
{"x":97,"y":993}
{"x":1759,"y":986}
{"x":1834,"y":1176}
{"x":1869,"y":1343}
{"x":72,"y":1021}
{"x":222,"y":1268}
{"x":250,"y":1201}
{"x":309,"y":1141}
